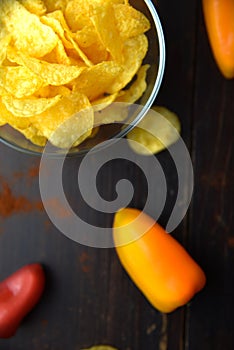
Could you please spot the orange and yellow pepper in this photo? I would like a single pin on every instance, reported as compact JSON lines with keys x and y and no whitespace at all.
{"x":219,"y":20}
{"x":156,"y":262}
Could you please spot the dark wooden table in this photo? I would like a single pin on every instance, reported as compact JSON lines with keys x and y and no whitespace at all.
{"x":89,"y":298}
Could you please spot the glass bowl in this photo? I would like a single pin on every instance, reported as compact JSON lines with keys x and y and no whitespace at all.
{"x":155,"y":58}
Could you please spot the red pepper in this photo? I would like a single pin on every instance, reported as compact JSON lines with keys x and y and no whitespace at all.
{"x":19,"y":293}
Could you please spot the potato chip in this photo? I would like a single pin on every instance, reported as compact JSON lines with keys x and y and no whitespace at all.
{"x":134,"y":51}
{"x":29,"y":107}
{"x":158,"y":130}
{"x":71,"y":119}
{"x":77,"y":14}
{"x":52,"y":91}
{"x":3,"y":92}
{"x":137,"y":88}
{"x":5,"y":39}
{"x":129,"y":21}
{"x":31,"y":133}
{"x":87,"y":39}
{"x":7,"y":117}
{"x":51,"y":73}
{"x":95,"y":81}
{"x":58,"y":55}
{"x":107,"y":30}
{"x":28,"y":33}
{"x":53,"y":5}
{"x":19,"y":81}
{"x":103,"y":102}
{"x":55,"y":24}
{"x":115,"y":112}
{"x":86,"y":36}
{"x":34,"y":6}
{"x":78,"y":50}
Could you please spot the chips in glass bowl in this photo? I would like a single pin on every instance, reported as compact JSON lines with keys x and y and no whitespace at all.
{"x":65,"y":63}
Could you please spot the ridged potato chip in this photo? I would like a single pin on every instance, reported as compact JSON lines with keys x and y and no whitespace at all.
{"x":28,"y":33}
{"x":77,"y":14}
{"x":71,"y":119}
{"x":103,"y":102}
{"x":5,"y":39}
{"x":29,"y":107}
{"x":7,"y":117}
{"x":51,"y":73}
{"x":134,"y":52}
{"x":19,"y":81}
{"x":52,"y":91}
{"x":34,"y":6}
{"x":88,"y":39}
{"x":130,"y":22}
{"x":54,"y":23}
{"x":137,"y":88}
{"x":95,"y":81}
{"x":115,"y":112}
{"x":53,"y":5}
{"x":58,"y":55}
{"x":102,"y":19}
{"x":78,"y":50}
{"x":31,"y":133}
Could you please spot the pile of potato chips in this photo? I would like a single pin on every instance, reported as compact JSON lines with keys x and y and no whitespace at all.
{"x":60,"y":58}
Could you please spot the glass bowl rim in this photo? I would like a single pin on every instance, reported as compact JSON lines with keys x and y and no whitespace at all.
{"x":142,"y":113}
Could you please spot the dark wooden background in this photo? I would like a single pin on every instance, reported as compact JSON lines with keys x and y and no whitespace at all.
{"x":89,"y":298}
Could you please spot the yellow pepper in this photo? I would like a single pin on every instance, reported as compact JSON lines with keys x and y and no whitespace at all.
{"x":219,"y":20}
{"x":156,"y":262}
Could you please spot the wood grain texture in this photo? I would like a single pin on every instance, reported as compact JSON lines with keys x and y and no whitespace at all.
{"x":89,"y":299}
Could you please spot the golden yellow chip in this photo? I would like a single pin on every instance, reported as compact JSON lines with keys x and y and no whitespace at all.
{"x":5,"y":39}
{"x":137,"y":88}
{"x":54,"y":23}
{"x":78,"y":50}
{"x":134,"y":52}
{"x":50,"y":73}
{"x":31,"y":133}
{"x":130,"y":22}
{"x":52,"y":91}
{"x":77,"y":14}
{"x":71,"y":119}
{"x":115,"y":112}
{"x":58,"y":55}
{"x":7,"y":117}
{"x":53,"y":5}
{"x":103,"y":102}
{"x":19,"y":81}
{"x":86,"y":36}
{"x":29,"y":107}
{"x":28,"y":33}
{"x":57,"y":21}
{"x":90,"y":43}
{"x":96,"y":80}
{"x":34,"y":6}
{"x":102,"y":18}
{"x":158,"y":130}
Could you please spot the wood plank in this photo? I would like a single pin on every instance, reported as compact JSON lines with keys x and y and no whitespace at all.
{"x":179,"y":20}
{"x":210,"y":317}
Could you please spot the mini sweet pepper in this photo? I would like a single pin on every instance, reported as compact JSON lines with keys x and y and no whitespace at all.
{"x":19,"y":293}
{"x":160,"y":267}
{"x":219,"y":20}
